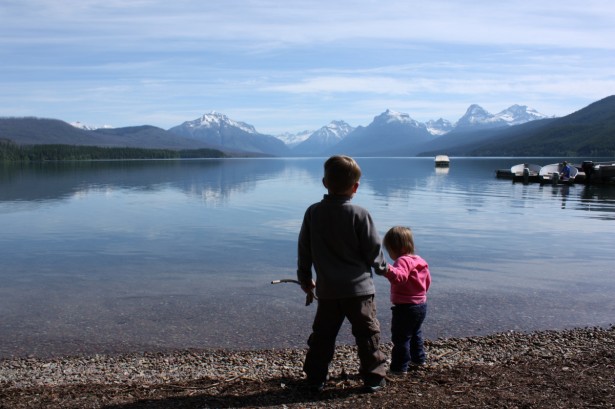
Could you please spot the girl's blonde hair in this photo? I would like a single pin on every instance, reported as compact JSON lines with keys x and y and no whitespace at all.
{"x":399,"y":239}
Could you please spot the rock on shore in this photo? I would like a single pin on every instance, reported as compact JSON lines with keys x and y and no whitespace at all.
{"x":572,"y":368}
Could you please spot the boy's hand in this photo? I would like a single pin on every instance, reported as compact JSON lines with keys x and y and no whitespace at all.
{"x":308,"y":289}
{"x":383,"y":273}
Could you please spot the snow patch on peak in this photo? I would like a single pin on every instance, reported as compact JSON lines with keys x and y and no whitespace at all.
{"x":513,"y":115}
{"x":217,"y":120}
{"x":390,"y":116}
{"x":439,"y":127}
{"x":519,"y":114}
{"x":85,"y":127}
{"x":293,"y":139}
{"x":339,"y":128}
{"x":334,"y":131}
{"x":478,"y":116}
{"x":476,"y":113}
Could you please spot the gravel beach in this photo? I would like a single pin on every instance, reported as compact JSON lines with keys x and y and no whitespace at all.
{"x":572,"y":368}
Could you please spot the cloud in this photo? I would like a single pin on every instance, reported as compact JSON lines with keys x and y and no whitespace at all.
{"x":296,"y":63}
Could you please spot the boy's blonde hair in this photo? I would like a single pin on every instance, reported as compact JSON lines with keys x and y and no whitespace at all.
{"x":399,"y":239}
{"x":341,"y":173}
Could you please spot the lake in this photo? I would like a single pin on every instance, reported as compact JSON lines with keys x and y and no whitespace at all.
{"x":105,"y":257}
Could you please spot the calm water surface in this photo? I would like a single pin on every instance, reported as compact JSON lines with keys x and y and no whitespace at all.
{"x":150,"y":255}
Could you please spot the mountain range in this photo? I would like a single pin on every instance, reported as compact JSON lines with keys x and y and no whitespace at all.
{"x":515,"y":131}
{"x":219,"y":131}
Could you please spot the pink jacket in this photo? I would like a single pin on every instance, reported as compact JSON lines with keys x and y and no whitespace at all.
{"x":410,"y":279}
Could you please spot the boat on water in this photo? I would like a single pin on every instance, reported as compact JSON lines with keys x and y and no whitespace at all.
{"x":553,"y":174}
{"x":442,"y":161}
{"x":588,"y":172}
{"x":599,"y":172}
{"x":525,"y":172}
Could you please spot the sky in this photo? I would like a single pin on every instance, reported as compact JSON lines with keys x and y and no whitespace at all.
{"x":290,"y":66}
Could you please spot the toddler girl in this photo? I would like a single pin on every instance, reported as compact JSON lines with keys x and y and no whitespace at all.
{"x":410,"y":279}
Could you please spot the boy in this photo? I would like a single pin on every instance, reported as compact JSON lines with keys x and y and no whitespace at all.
{"x":340,"y":240}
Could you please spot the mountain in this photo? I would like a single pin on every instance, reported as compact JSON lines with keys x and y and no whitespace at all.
{"x":458,"y":141}
{"x":519,"y":114}
{"x":439,"y":127}
{"x":477,"y":117}
{"x":389,"y":134}
{"x":516,"y":131}
{"x":587,"y":132}
{"x":38,"y":131}
{"x":147,"y":136}
{"x":83,"y":126}
{"x":221,"y":132}
{"x":42,"y":131}
{"x":293,"y":139}
{"x":323,"y":139}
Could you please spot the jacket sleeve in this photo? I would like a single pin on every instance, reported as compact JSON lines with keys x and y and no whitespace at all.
{"x":373,"y":247}
{"x":304,"y":251}
{"x":406,"y":269}
{"x":398,"y":272}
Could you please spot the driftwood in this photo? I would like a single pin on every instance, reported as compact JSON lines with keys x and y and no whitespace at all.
{"x":309,"y":296}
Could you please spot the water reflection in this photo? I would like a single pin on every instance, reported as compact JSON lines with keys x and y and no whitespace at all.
{"x":156,"y":254}
{"x":207,"y":178}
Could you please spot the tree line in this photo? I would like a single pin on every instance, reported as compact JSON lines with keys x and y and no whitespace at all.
{"x":11,"y":152}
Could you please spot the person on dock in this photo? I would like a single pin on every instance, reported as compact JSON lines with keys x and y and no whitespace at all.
{"x":565,"y":172}
{"x":340,"y":241}
{"x":410,"y":280}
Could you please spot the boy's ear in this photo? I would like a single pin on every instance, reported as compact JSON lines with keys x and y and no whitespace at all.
{"x":355,"y":187}
{"x":324,"y":183}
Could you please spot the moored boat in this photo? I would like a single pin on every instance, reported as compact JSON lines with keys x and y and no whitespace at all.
{"x":525,"y":172}
{"x":442,"y":161}
{"x":599,"y":172}
{"x":554,"y":173}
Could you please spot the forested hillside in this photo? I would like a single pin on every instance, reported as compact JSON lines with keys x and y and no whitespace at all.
{"x":588,"y":132}
{"x":11,"y":152}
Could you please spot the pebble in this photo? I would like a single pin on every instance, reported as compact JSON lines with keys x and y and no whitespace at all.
{"x":149,"y":369}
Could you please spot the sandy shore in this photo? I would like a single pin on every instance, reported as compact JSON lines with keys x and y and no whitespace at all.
{"x":570,"y":368}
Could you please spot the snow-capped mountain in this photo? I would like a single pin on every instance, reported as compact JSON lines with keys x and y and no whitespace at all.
{"x":389,"y":133}
{"x":294,"y":139}
{"x":519,"y":114}
{"x":216,"y":120}
{"x":477,"y":117}
{"x":220,"y":131}
{"x":393,"y":117}
{"x":324,"y":138}
{"x":438,"y":127}
{"x":85,"y":127}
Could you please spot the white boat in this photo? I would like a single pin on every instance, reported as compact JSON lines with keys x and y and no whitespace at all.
{"x":526,"y":172}
{"x":442,"y":161}
{"x":518,"y":170}
{"x":553,"y":173}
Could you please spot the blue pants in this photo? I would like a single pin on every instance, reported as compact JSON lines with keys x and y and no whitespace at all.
{"x":407,"y":336}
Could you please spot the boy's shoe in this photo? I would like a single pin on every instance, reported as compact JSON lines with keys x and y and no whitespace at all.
{"x":316,"y":387}
{"x":398,"y":373}
{"x":374,"y":386}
